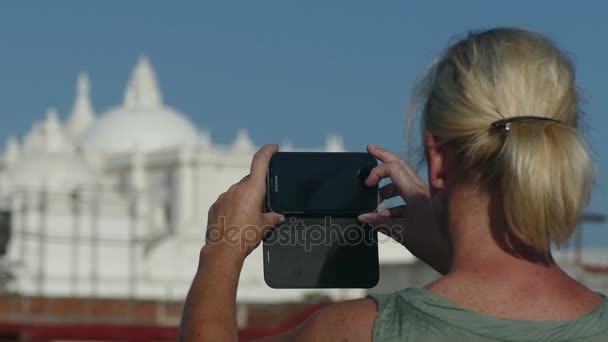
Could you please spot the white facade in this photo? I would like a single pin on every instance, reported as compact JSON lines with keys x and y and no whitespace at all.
{"x":115,"y":204}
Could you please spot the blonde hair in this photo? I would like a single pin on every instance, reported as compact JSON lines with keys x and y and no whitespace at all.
{"x":541,"y":170}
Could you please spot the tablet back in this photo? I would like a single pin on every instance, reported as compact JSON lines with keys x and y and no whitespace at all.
{"x":321,"y":252}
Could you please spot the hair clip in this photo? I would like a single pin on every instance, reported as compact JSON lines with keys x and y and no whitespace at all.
{"x":504,"y":124}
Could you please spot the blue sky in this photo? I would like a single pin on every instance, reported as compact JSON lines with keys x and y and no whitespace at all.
{"x":283,"y":69}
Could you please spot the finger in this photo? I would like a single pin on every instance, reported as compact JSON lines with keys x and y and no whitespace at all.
{"x":384,"y":215}
{"x":393,"y":228}
{"x":244,"y":179}
{"x":260,"y":162}
{"x":394,"y":212}
{"x":219,"y":198}
{"x":217,"y":201}
{"x":233,"y":187}
{"x":273,"y":219}
{"x":384,"y":155}
{"x":213,"y":208}
{"x":388,"y":191}
{"x":380,"y":172}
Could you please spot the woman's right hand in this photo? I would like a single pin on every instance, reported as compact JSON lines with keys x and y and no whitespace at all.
{"x":413,"y":225}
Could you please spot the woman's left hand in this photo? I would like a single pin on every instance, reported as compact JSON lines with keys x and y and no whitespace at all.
{"x":236,"y":222}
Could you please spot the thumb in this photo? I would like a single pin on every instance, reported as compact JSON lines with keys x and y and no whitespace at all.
{"x":273,"y":219}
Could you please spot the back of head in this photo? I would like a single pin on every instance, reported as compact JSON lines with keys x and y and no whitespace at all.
{"x":541,"y":170}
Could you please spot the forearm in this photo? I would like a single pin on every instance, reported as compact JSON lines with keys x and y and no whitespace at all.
{"x":210,"y":308}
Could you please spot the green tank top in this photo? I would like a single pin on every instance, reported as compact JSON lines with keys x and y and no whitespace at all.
{"x":415,"y":314}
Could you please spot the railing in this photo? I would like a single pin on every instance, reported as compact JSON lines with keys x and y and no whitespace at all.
{"x":35,"y":309}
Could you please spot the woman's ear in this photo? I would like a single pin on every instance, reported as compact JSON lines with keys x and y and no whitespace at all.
{"x":437,"y":162}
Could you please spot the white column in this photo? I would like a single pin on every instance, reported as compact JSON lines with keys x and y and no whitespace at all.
{"x":139,"y":193}
{"x":75,"y":201}
{"x":182,"y":194}
{"x":41,"y":272}
{"x":139,"y":219}
{"x":15,"y":246}
{"x":206,"y":185}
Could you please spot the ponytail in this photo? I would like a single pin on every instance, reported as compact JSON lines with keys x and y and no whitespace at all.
{"x":540,"y":169}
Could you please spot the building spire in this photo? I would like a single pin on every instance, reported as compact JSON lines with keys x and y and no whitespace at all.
{"x":334,"y":143}
{"x":11,"y":154}
{"x":82,"y":115}
{"x":53,"y":138}
{"x":51,"y":123}
{"x":142,"y":89}
{"x":47,"y":136}
{"x":242,"y":142}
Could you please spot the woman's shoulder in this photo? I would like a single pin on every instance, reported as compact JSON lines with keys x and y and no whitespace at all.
{"x":377,"y":315}
{"x":404,"y":314}
{"x":433,"y":304}
{"x":416,"y":311}
{"x":408,"y":297}
{"x":350,"y":320}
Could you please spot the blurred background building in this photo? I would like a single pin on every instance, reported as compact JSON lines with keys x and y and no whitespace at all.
{"x":111,"y":208}
{"x":103,"y":216}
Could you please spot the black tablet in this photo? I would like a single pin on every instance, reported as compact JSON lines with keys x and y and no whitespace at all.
{"x":321,"y":252}
{"x":321,"y":183}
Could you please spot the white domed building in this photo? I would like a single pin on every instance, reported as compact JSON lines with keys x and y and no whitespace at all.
{"x":115,"y":204}
{"x":142,"y":121}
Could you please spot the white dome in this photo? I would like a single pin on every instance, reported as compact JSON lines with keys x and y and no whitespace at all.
{"x":147,"y":128}
{"x":53,"y":170}
{"x":142,"y":121}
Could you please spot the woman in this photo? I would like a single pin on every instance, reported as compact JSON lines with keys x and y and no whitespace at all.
{"x":509,"y":174}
